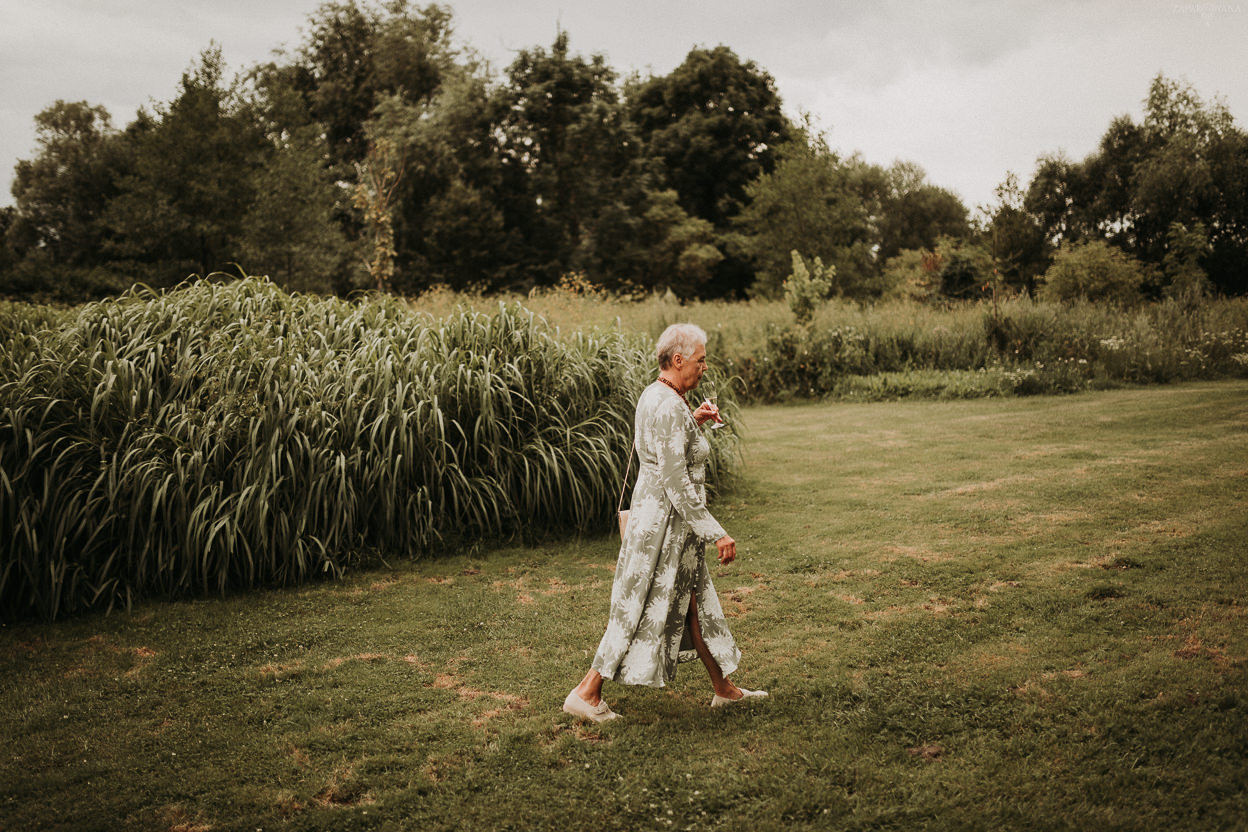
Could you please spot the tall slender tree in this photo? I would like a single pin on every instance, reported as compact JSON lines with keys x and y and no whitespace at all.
{"x":180,"y":211}
{"x":715,"y":123}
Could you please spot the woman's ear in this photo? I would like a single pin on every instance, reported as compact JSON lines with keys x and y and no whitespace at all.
{"x":677,"y":360}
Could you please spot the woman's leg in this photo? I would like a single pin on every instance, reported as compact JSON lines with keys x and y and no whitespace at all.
{"x":722,"y":685}
{"x":590,"y":688}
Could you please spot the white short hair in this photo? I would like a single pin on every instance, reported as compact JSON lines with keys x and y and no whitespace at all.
{"x":678,"y":338}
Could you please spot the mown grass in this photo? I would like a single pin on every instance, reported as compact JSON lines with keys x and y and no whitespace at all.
{"x":1007,"y":614}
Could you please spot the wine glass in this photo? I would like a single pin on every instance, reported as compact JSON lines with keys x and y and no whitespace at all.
{"x":712,"y":398}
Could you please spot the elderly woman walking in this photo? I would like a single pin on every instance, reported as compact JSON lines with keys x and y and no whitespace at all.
{"x":662,"y":599}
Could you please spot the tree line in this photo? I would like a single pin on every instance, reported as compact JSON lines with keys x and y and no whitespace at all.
{"x":382,"y":154}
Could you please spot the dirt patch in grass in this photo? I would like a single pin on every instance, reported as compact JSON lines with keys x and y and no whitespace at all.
{"x":20,"y":647}
{"x":339,"y":661}
{"x":982,"y":601}
{"x":1033,"y":523}
{"x":444,"y":768}
{"x":1032,"y":689}
{"x":299,"y":757}
{"x":1035,"y":687}
{"x":179,"y":820}
{"x":592,"y":564}
{"x":1168,"y":528}
{"x":926,"y":752}
{"x":100,"y":656}
{"x":576,"y":729}
{"x":1011,"y":481}
{"x":285,"y":803}
{"x":932,"y":606}
{"x":451,"y":680}
{"x":342,"y":792}
{"x":284,"y":670}
{"x":1194,"y":645}
{"x":739,"y":598}
{"x":922,"y":554}
{"x":1044,"y":451}
{"x":993,"y":659}
{"x":528,"y":588}
{"x":482,"y":719}
{"x":840,"y":575}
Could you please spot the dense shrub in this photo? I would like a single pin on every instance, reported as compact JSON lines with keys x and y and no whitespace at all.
{"x":1097,"y":271}
{"x":224,"y":436}
{"x":1016,"y":347}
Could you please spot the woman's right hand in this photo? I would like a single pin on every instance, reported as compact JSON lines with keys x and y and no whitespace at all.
{"x":706,"y":412}
{"x":727,"y":550}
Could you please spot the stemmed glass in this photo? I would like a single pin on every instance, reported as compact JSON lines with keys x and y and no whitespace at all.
{"x":712,"y":398}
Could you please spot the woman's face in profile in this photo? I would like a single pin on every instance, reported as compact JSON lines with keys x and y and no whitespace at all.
{"x":691,"y":369}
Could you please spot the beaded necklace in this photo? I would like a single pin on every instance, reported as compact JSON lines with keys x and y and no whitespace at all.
{"x":678,"y":393}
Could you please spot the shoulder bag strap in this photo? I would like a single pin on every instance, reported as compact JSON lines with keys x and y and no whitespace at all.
{"x":628,"y":470}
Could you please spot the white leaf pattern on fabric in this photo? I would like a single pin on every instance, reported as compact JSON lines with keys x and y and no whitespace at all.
{"x":662,"y":556}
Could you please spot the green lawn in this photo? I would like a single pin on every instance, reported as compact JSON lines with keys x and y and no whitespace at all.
{"x":998,"y":614}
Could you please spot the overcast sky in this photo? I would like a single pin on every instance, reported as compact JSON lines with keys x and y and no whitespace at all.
{"x":968,"y":89}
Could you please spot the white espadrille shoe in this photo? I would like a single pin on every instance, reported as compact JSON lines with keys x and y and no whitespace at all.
{"x":720,"y":701}
{"x":577,"y":706}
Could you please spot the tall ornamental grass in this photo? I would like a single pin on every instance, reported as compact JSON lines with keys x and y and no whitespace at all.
{"x":222,"y":436}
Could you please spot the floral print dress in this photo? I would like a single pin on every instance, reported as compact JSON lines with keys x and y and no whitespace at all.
{"x":662,"y":557}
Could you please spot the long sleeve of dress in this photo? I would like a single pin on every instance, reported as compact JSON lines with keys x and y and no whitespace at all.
{"x":674,"y":431}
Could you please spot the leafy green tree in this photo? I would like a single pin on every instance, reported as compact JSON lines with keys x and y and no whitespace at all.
{"x":1017,"y":242}
{"x":805,"y":289}
{"x":291,"y":230}
{"x":714,"y":123}
{"x":1187,"y":162}
{"x":965,"y":268}
{"x":813,"y":203}
{"x":1185,"y":278}
{"x":181,"y":208}
{"x":8,"y":255}
{"x":1197,"y":171}
{"x":569,"y":147}
{"x":910,"y":274}
{"x":62,"y":193}
{"x":355,"y":54}
{"x":676,"y":251}
{"x":1096,"y":271}
{"x":1069,"y":201}
{"x":378,"y":178}
{"x":448,"y":213}
{"x":914,"y":213}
